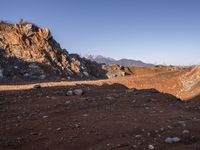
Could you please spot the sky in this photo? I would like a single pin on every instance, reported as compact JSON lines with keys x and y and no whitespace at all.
{"x":154,"y":31}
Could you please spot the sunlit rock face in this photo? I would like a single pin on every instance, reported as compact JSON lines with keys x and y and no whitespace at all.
{"x":190,"y":83}
{"x":191,"y":79}
{"x":30,"y":52}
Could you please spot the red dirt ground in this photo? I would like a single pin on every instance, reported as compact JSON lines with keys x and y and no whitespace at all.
{"x":108,"y":116}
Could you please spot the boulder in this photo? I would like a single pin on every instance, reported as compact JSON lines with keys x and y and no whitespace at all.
{"x":69,"y":93}
{"x":171,"y":140}
{"x":78,"y":92}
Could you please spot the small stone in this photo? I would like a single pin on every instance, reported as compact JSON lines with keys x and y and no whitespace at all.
{"x":130,"y":91}
{"x":78,"y":92}
{"x":77,"y":125}
{"x":169,"y":127}
{"x":135,"y":146}
{"x":151,"y":147}
{"x":156,"y":131}
{"x":69,"y":93}
{"x":39,"y":134}
{"x":86,"y":73}
{"x":172,"y":140}
{"x":67,"y":103}
{"x":85,"y":115}
{"x":161,"y":129}
{"x":185,"y":132}
{"x":109,"y":98}
{"x":182,"y":123}
{"x":58,"y":129}
{"x":138,"y":136}
{"x":45,"y":117}
{"x":116,"y":96}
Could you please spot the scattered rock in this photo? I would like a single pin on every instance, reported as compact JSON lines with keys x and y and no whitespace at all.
{"x":148,"y":134}
{"x":151,"y":147}
{"x":156,"y":131}
{"x":169,"y":127}
{"x":162,"y":129}
{"x":170,"y":140}
{"x":138,"y":136}
{"x":186,"y":131}
{"x":78,"y":92}
{"x":109,"y":98}
{"x":130,"y":91}
{"x":182,"y":123}
{"x":45,"y":117}
{"x":116,"y":95}
{"x":69,"y":93}
{"x":67,"y":103}
{"x":85,"y":115}
{"x":58,"y":129}
{"x":77,"y":125}
{"x":133,"y":101}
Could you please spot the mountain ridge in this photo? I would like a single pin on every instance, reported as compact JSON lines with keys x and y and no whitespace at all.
{"x":123,"y":62}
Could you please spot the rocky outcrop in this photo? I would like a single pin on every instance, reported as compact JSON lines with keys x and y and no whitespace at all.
{"x":30,"y":52}
{"x":191,"y":79}
{"x":189,"y":84}
{"x":114,"y":71}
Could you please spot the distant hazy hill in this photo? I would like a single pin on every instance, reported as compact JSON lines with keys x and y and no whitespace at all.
{"x":122,"y":62}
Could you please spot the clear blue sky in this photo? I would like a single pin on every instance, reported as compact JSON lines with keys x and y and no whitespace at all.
{"x":161,"y":31}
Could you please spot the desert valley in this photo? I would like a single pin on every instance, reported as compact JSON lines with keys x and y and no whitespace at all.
{"x":50,"y":99}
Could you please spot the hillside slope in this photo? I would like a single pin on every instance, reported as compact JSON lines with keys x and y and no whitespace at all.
{"x":30,"y":52}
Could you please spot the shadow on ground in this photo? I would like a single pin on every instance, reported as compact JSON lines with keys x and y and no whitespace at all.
{"x":104,"y":117}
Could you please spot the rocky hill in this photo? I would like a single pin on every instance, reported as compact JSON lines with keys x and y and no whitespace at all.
{"x":190,"y":83}
{"x":123,"y":62}
{"x":191,"y":79}
{"x":29,"y":52}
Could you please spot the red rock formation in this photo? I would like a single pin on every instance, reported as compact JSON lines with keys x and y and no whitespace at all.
{"x":28,"y":43}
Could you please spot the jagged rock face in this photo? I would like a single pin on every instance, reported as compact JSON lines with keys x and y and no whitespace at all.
{"x":28,"y":51}
{"x":190,"y":83}
{"x":114,"y":71}
{"x":191,"y":79}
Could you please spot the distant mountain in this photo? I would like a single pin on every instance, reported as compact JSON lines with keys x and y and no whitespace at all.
{"x":122,"y":62}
